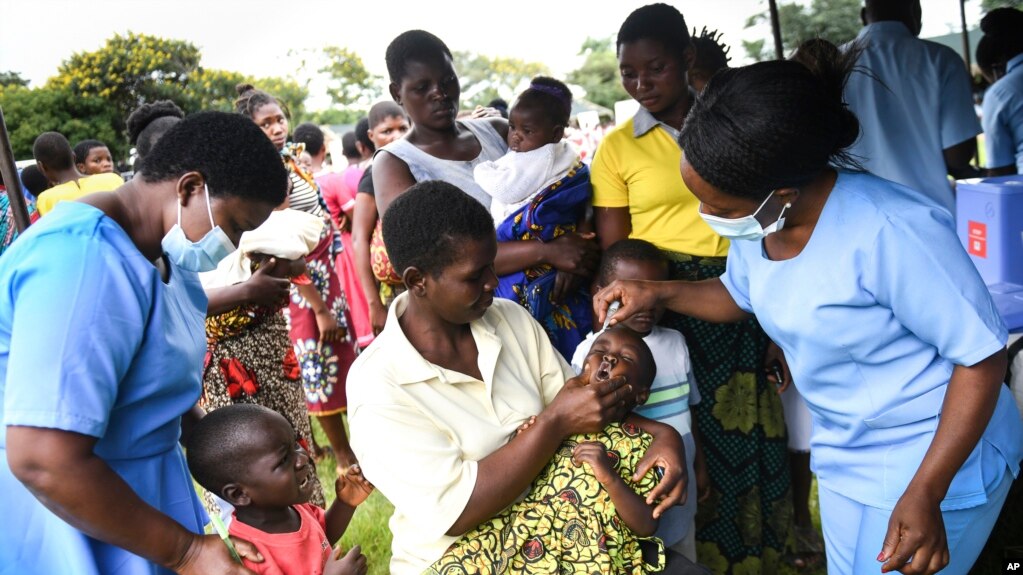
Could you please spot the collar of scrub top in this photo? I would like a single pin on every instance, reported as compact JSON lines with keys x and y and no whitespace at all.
{"x":1013,"y":63}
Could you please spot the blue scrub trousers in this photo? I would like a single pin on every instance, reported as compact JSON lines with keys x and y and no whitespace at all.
{"x":854,"y":533}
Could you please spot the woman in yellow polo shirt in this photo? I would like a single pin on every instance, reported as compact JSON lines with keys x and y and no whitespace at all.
{"x":639,"y":193}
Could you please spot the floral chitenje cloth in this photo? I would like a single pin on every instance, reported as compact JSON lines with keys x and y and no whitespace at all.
{"x":746,"y":522}
{"x":250,"y":359}
{"x":553,"y":212}
{"x":566,"y":524}
{"x":323,"y":366}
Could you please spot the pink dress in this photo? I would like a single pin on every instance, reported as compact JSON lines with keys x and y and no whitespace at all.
{"x":340,"y":197}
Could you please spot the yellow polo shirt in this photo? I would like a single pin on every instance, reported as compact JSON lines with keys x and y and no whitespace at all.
{"x":419,"y":429}
{"x":73,"y":190}
{"x":637,"y":167}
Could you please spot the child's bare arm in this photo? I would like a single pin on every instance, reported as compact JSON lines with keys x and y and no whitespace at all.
{"x":352,"y":489}
{"x":631,"y":507}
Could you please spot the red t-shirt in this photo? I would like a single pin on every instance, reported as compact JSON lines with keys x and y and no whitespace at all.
{"x":336,"y":193}
{"x":302,"y":552}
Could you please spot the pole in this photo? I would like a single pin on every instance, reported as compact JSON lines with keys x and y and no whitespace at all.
{"x":779,"y":51}
{"x":966,"y":37}
{"x":12,"y":182}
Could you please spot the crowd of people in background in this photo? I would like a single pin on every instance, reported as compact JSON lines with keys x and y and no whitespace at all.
{"x":558,"y":349}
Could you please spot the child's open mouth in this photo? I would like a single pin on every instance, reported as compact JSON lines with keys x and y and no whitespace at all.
{"x":604,"y":371}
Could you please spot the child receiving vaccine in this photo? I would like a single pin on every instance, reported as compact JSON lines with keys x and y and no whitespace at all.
{"x":541,"y":190}
{"x":586,"y":488}
{"x":248,"y":455}
{"x":674,"y":388}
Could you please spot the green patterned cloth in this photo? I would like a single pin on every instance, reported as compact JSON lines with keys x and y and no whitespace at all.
{"x":745,"y":525}
{"x":567,"y":524}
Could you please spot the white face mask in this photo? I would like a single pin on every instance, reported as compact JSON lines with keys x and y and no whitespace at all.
{"x":746,"y":227}
{"x":201,"y":256}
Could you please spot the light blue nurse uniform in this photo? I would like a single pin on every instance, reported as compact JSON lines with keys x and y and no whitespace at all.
{"x":1003,"y":118}
{"x":873,"y":315}
{"x":92,"y":341}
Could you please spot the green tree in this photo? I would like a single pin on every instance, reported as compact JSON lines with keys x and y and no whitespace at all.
{"x":350,"y":83}
{"x":335,"y":116}
{"x":598,"y":74}
{"x":11,"y":78}
{"x":130,"y":70}
{"x":30,"y":112}
{"x":837,"y":21}
{"x":484,"y":78}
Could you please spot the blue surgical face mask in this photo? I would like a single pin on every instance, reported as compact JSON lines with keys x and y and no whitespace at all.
{"x":746,"y":227}
{"x":200,"y":256}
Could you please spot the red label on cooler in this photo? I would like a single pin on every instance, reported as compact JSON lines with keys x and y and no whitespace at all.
{"x":977,"y":230}
{"x":978,"y":239}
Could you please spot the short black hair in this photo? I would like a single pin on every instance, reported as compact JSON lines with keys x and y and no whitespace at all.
{"x":1003,"y":37}
{"x":149,"y":122}
{"x":250,"y":100}
{"x":362,"y":134}
{"x":711,"y":52}
{"x":384,"y":110}
{"x":230,"y":151}
{"x":425,"y":225}
{"x":549,"y":95}
{"x":412,"y":46}
{"x":82,"y":149}
{"x":52,"y":150}
{"x":770,"y":125}
{"x":348,"y":147}
{"x":500,"y":105}
{"x":659,"y":22}
{"x":34,"y":180}
{"x":647,"y":360}
{"x":219,"y":441}
{"x":311,"y":135}
{"x":629,"y":249}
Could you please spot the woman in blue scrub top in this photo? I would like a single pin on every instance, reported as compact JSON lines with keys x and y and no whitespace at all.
{"x":1000,"y":58}
{"x":891,"y":336}
{"x":101,"y":354}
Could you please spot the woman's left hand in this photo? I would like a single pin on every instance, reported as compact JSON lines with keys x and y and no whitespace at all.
{"x":915,"y":543}
{"x":327,"y":324}
{"x":667,"y":452}
{"x":774,"y":358}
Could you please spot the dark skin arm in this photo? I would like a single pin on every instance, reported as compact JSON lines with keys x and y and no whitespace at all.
{"x":267,"y":286}
{"x":364,"y":220}
{"x":351,"y":489}
{"x":958,"y":158}
{"x":916,"y":528}
{"x":188,"y":421}
{"x":1009,"y":170}
{"x":707,"y":300}
{"x":667,"y":452}
{"x":507,"y":472}
{"x":629,"y":505}
{"x":612,"y":224}
{"x":62,"y":471}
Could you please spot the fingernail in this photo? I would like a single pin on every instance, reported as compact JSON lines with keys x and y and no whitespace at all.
{"x":880,"y":556}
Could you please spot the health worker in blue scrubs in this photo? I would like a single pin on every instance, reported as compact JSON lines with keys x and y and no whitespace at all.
{"x":102,"y":341}
{"x":890,"y":334}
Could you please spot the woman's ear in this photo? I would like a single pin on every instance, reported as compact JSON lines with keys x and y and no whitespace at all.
{"x":189,"y":185}
{"x":642,"y":397}
{"x":787,"y":195}
{"x":415,"y":281}
{"x":235,"y":495}
{"x":559,"y":132}
{"x":393,"y":88}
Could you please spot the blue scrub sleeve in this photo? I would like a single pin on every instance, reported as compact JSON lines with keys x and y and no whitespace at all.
{"x":957,"y":116}
{"x":921,"y":272}
{"x":1003,"y":127}
{"x":736,"y":276}
{"x":78,"y":320}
